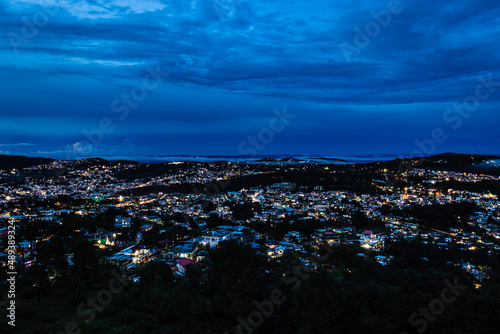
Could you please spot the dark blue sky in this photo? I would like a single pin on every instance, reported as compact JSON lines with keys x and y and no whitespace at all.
{"x":152,"y":77}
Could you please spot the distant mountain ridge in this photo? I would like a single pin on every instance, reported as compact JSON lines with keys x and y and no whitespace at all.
{"x":19,"y":161}
{"x":8,"y":162}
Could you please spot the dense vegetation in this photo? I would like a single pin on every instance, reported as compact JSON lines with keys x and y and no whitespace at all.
{"x":18,"y":162}
{"x":438,"y":216}
{"x":345,"y":293}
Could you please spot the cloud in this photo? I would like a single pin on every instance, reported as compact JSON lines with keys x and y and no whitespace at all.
{"x":96,"y":9}
{"x":84,"y":149}
{"x":17,"y":145}
{"x":230,"y":62}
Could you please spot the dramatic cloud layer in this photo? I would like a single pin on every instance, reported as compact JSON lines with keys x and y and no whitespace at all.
{"x":123,"y":77}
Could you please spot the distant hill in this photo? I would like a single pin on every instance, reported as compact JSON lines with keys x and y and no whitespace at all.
{"x":279,"y":160}
{"x":468,"y":163}
{"x":92,"y":162}
{"x":445,"y":161}
{"x":332,"y":159}
{"x":18,"y":162}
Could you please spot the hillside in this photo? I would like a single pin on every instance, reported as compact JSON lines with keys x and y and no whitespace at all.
{"x":19,"y":162}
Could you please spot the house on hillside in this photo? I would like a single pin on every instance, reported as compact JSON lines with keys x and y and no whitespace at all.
{"x":185,"y":250}
{"x":123,"y":222}
{"x":372,"y":240}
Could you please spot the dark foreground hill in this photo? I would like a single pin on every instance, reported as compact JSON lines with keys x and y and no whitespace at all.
{"x":19,"y":162}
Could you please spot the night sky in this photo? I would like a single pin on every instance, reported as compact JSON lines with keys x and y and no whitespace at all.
{"x":126,"y":78}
